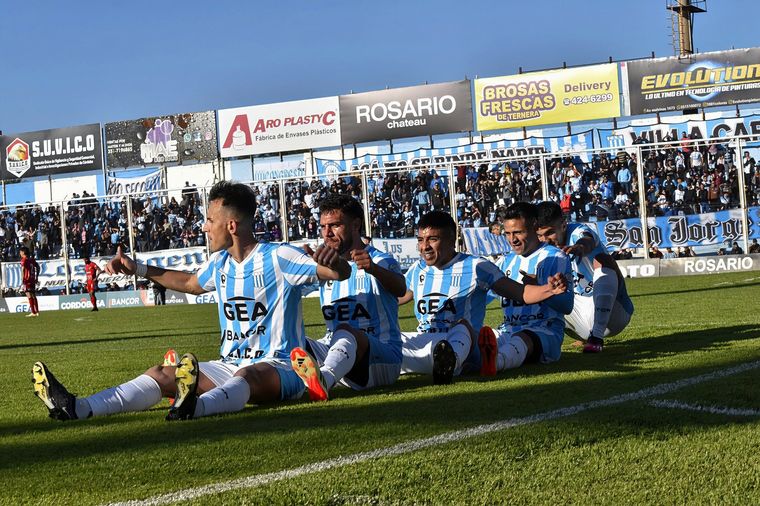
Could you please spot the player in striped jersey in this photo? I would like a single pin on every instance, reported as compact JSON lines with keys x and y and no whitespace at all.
{"x":362,"y":347}
{"x":529,"y":332}
{"x":449,"y":291}
{"x":602,"y":306}
{"x":258,"y":291}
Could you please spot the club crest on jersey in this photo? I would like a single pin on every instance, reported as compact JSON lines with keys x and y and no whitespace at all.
{"x":422,"y":278}
{"x":222,"y":280}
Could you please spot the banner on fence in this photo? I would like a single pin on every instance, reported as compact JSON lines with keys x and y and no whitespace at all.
{"x":269,"y":171}
{"x":403,"y":250}
{"x":53,"y":273}
{"x":413,"y":111}
{"x":674,"y":231}
{"x":553,"y":96}
{"x":702,"y":80}
{"x":467,"y":154}
{"x":162,"y":139}
{"x":278,"y":128}
{"x":711,"y":128}
{"x":55,"y":151}
{"x":481,"y":242}
{"x":120,"y":184}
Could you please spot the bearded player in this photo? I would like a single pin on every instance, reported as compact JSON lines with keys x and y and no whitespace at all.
{"x":30,"y":270}
{"x":362,"y":348}
{"x":258,"y":287}
{"x":602,"y":307}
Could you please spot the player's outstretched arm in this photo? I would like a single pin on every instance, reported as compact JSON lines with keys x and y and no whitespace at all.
{"x":330,"y":265}
{"x":171,"y":279}
{"x":530,"y":294}
{"x":581,"y":248}
{"x":391,"y":281}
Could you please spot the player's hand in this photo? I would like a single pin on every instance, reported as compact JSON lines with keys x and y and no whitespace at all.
{"x":327,"y":256}
{"x":528,"y":279}
{"x":558,"y":284}
{"x":121,"y":264}
{"x":362,"y":259}
{"x":307,"y":249}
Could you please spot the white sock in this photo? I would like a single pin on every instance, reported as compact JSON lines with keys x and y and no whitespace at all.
{"x":512,"y":353}
{"x":460,"y":339}
{"x":228,"y":398}
{"x":139,"y":394}
{"x":604,"y":295}
{"x":340,"y":358}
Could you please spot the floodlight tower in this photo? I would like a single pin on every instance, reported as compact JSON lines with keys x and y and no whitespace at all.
{"x":682,"y":24}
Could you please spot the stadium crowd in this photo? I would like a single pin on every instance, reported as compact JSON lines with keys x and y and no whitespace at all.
{"x":684,"y":177}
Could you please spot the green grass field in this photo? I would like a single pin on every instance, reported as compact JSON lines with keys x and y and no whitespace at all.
{"x":558,"y":434}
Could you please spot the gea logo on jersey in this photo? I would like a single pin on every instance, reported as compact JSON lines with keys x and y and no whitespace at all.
{"x":345,"y":309}
{"x":435,"y":303}
{"x":237,"y":309}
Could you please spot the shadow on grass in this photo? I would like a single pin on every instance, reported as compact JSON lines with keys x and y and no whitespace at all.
{"x":412,"y":408}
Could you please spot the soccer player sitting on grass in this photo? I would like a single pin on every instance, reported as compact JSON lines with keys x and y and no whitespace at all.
{"x":602,"y":307}
{"x":530,"y":332}
{"x":258,"y":287}
{"x":449,"y":291}
{"x":362,"y":347}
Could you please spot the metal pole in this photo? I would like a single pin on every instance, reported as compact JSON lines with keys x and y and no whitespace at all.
{"x":283,"y":216}
{"x":130,"y":233}
{"x":365,"y":197}
{"x":65,"y":247}
{"x":544,"y":177}
{"x":205,"y":214}
{"x":642,"y":202}
{"x":742,"y":195}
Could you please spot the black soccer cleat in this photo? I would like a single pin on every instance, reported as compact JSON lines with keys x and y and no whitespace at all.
{"x":444,"y":363}
{"x":186,"y":380}
{"x":60,"y":403}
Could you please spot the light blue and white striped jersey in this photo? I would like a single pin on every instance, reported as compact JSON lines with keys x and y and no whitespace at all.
{"x":583,"y":267}
{"x":546,"y":261}
{"x":360,"y":301}
{"x":259,"y":301}
{"x":444,"y":296}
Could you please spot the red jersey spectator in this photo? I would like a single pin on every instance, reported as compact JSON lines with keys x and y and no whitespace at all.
{"x":92,"y":271}
{"x":30,"y":270}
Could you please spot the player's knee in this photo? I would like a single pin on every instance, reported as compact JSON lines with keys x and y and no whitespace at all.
{"x":164,"y":376}
{"x":263,"y":380}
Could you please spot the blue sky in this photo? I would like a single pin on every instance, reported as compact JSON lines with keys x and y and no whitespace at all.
{"x":72,"y":63}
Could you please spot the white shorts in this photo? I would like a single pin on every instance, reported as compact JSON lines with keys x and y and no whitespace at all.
{"x":581,"y":320}
{"x":551,"y":342}
{"x":291,"y":385}
{"x":382,"y":362}
{"x":417,"y":352}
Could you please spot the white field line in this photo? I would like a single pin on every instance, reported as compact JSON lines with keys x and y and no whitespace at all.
{"x":728,"y":283}
{"x":419,"y":444}
{"x":715,"y":410}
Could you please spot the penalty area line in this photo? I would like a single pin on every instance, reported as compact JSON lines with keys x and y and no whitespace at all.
{"x":441,"y":439}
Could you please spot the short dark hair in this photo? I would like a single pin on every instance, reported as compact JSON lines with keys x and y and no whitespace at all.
{"x":548,"y":213}
{"x":236,"y":196}
{"x":518,"y":210}
{"x":342,"y":202}
{"x":440,"y":220}
{"x":24,"y":250}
